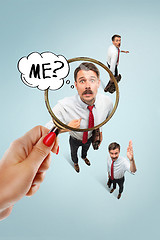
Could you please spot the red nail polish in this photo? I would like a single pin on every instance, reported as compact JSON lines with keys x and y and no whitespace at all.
{"x":57,"y":150}
{"x":49,"y":139}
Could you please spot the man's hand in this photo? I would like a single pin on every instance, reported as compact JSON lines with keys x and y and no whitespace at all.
{"x":131,"y":157}
{"x":130,"y":151}
{"x":75,"y":123}
{"x":124,"y":51}
{"x":101,"y":138}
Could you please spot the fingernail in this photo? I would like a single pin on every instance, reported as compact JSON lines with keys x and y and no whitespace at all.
{"x":49,"y":139}
{"x":57,"y":150}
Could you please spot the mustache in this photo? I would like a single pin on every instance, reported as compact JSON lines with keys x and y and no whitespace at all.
{"x":87,"y":91}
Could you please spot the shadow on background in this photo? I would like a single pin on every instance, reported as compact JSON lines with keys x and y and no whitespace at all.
{"x":68,"y":158}
{"x":103,"y":182}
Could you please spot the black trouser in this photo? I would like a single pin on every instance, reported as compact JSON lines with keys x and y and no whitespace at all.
{"x":75,"y":144}
{"x":116,"y":70}
{"x":119,"y":181}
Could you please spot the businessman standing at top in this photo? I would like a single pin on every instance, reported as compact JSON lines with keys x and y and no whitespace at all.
{"x":113,"y":61}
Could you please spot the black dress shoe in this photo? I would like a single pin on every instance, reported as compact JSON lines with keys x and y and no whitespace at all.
{"x":118,"y":78}
{"x":76,"y":167}
{"x":112,"y":190}
{"x":87,"y":161}
{"x":107,"y":88}
{"x":109,"y":184}
{"x":110,"y":86}
{"x":119,"y":196}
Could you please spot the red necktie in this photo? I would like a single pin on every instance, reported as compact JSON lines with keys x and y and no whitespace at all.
{"x":118,"y":56}
{"x":90,"y":124}
{"x":112,"y":174}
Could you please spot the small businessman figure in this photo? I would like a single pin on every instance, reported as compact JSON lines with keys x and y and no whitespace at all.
{"x":117,"y":166}
{"x":113,"y":55}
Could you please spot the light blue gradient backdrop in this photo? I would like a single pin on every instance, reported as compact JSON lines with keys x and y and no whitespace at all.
{"x":78,"y":206}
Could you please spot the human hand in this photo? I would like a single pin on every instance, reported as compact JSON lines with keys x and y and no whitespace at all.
{"x":75,"y":123}
{"x":101,"y":138}
{"x":130,"y":151}
{"x":23,"y":167}
{"x":124,"y":51}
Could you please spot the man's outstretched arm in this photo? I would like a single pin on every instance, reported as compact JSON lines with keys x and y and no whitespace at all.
{"x":131,"y":157}
{"x":124,"y":51}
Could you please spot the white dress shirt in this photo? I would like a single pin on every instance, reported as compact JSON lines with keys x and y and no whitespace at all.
{"x":112,"y":57}
{"x":71,"y":108}
{"x":120,"y":166}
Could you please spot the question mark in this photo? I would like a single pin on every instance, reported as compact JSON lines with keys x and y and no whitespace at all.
{"x":58,"y":67}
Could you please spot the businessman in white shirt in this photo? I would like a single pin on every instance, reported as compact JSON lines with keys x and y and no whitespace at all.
{"x":85,"y":110}
{"x":117,"y":166}
{"x":113,"y":61}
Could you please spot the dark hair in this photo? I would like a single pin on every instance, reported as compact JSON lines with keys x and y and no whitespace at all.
{"x":113,"y":146}
{"x":86,"y":66}
{"x":114,"y":36}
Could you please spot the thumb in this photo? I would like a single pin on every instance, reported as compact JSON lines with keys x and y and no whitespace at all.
{"x":41,"y":150}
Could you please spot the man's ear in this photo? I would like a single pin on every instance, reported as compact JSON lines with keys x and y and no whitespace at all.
{"x":75,"y":83}
{"x":99,"y":82}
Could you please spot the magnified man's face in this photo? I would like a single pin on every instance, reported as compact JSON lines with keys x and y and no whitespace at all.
{"x":117,"y":42}
{"x":114,"y":154}
{"x":87,"y":84}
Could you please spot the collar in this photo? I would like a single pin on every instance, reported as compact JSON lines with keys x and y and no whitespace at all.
{"x":114,"y":161}
{"x":115,"y":47}
{"x":84,"y":105}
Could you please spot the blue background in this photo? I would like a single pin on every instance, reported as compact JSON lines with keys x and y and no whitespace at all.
{"x":78,"y":206}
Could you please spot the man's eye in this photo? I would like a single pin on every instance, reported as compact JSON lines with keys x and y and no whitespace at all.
{"x":82,"y":81}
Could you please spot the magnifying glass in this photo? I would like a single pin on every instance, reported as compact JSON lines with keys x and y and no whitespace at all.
{"x":61,"y":125}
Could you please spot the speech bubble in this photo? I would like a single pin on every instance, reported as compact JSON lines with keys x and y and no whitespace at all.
{"x":44,"y":71}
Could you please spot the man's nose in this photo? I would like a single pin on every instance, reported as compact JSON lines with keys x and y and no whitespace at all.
{"x":87,"y":84}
